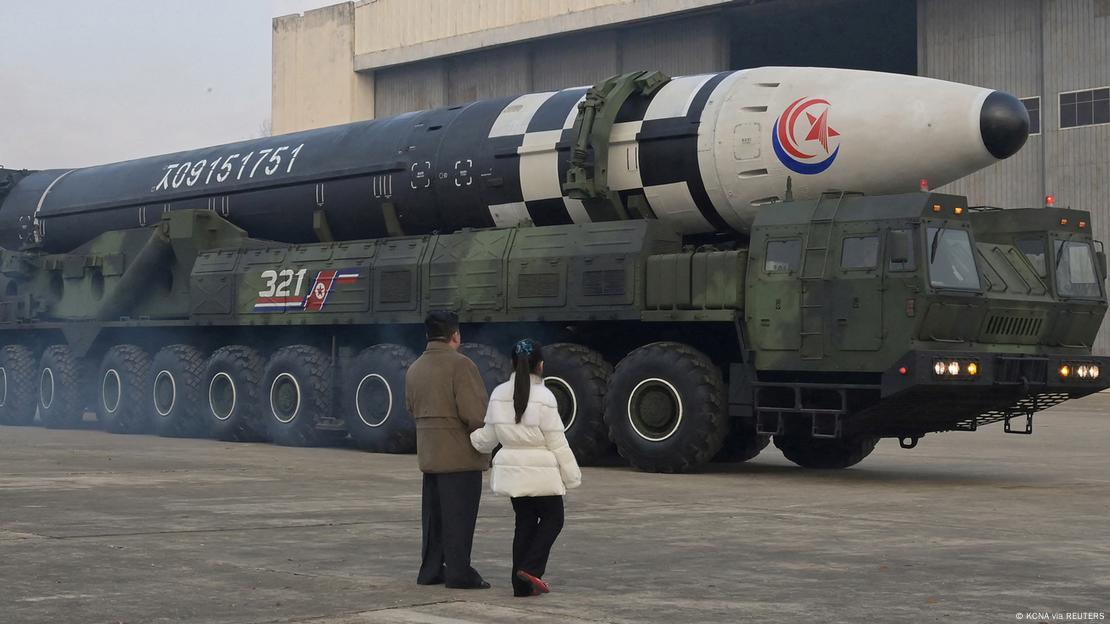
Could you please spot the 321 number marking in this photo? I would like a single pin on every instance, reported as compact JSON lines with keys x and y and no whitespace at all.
{"x":277,"y":283}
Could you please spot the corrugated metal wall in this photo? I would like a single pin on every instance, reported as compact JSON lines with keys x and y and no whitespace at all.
{"x":575,"y":60}
{"x":1031,"y":48}
{"x":996,"y":44}
{"x":679,"y":47}
{"x":418,"y":86}
{"x":503,"y":71}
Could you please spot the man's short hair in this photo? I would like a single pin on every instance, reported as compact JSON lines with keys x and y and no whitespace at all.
{"x":441,"y":325}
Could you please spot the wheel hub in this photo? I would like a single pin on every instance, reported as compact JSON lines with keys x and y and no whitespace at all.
{"x":373,"y":400}
{"x":110,"y":390}
{"x":565,"y":399}
{"x":285,"y":397}
{"x":165,"y":393}
{"x":655,"y":409}
{"x":222,"y":396}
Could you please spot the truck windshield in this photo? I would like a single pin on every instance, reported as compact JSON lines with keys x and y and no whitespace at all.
{"x":951,"y":260}
{"x":1075,"y":270}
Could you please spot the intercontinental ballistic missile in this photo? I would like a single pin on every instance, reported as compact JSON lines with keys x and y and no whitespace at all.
{"x":701,"y":153}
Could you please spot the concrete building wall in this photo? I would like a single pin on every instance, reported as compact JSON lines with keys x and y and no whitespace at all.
{"x":1031,"y":48}
{"x":314,"y":82}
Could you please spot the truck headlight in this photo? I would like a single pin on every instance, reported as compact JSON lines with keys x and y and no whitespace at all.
{"x":1093,"y":371}
{"x":953,"y":368}
{"x":939,"y":367}
{"x":1081,"y":370}
{"x":1065,"y":371}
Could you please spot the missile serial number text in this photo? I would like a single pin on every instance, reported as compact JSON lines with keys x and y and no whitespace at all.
{"x":265,"y":162}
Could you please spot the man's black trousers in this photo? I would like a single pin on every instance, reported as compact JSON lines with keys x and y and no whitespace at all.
{"x":538,"y":522}
{"x":448,"y":515}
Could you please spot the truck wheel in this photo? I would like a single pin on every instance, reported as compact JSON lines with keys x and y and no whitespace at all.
{"x":175,"y":382}
{"x":17,"y":385}
{"x":122,"y":402}
{"x":493,"y":365}
{"x":233,"y":374}
{"x":578,"y":377}
{"x":665,"y":408}
{"x":297,"y":391}
{"x":60,"y":398}
{"x":826,"y":453}
{"x":374,"y":400}
{"x":741,"y":443}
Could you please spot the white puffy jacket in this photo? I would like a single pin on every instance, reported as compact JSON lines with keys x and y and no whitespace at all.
{"x":534,"y":459}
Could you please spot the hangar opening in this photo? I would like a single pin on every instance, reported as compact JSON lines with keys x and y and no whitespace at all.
{"x":876,"y":35}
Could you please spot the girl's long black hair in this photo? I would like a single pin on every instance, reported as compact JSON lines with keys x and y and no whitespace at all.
{"x":527,"y":357}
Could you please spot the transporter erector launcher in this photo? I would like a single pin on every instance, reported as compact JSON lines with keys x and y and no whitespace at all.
{"x":701,"y":153}
{"x":673,"y":243}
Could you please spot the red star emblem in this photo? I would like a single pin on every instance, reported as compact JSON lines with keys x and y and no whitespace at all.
{"x":819,"y":129}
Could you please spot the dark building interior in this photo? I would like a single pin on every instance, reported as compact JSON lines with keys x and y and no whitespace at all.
{"x":878,"y":35}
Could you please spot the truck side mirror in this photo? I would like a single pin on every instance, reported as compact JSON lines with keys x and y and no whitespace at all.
{"x":1101,"y":256}
{"x":900,"y":247}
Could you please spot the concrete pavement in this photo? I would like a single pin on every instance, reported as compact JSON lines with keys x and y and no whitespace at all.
{"x":968,"y":527}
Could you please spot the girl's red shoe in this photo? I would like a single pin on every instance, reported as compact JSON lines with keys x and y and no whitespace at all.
{"x":539,"y":586}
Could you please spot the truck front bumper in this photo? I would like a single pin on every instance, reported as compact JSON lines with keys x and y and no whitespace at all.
{"x":941,"y":391}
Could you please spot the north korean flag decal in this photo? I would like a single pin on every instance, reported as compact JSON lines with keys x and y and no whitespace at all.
{"x":803,"y":139}
{"x":317,"y":296}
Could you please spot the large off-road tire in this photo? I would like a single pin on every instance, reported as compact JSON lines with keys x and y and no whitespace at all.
{"x":578,"y":377}
{"x":123,"y":403}
{"x":494,"y":366}
{"x":665,"y":408}
{"x":232,"y":379}
{"x":175,"y":386}
{"x":741,"y":443}
{"x":61,"y":400}
{"x":17,"y":385}
{"x":373,"y":400}
{"x":826,"y":453}
{"x":296,"y":389}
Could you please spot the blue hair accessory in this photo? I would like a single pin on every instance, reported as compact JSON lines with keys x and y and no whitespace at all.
{"x":524,"y":347}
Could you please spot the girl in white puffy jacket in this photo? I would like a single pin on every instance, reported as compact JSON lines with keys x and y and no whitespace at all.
{"x":535,"y":466}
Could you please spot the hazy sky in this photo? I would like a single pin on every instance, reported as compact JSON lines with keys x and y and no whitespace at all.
{"x":95,"y":81}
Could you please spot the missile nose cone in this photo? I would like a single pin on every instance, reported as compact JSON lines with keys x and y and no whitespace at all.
{"x":1004,"y":124}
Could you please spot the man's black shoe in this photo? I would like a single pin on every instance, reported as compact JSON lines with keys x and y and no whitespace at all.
{"x":472,"y":585}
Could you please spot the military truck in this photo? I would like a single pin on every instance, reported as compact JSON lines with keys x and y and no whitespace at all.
{"x":279,"y":295}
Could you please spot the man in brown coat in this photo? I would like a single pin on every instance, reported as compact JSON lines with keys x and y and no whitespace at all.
{"x":447,"y":398}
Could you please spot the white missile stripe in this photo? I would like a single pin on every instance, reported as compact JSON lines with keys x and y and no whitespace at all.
{"x":539,"y":166}
{"x":572,"y":114}
{"x":509,"y":215}
{"x":624,"y":156}
{"x":674,"y":99}
{"x":576,"y":210}
{"x":514,"y":118}
{"x":673,"y":204}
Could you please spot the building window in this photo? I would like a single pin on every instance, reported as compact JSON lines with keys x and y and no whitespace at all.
{"x":1033,"y":105}
{"x":1085,"y":108}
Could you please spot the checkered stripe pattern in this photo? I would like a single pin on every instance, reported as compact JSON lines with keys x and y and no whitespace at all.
{"x":652,"y":152}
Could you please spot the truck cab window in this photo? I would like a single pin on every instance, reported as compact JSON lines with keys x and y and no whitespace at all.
{"x":860,"y":252}
{"x":900,"y":251}
{"x":951,"y":260}
{"x":783,"y":256}
{"x":1033,"y":248}
{"x":1075,"y":270}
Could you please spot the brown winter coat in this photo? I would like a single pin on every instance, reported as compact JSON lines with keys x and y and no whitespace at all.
{"x":447,"y":398}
